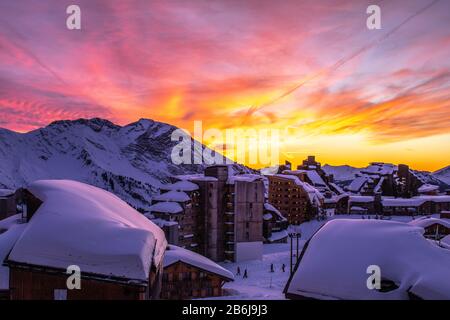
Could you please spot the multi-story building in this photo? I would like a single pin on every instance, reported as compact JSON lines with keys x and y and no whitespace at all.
{"x":297,"y":200}
{"x":223,"y":217}
{"x":189,"y":275}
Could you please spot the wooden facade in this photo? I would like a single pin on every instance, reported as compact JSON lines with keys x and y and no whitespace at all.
{"x":183,"y":281}
{"x":35,"y":283}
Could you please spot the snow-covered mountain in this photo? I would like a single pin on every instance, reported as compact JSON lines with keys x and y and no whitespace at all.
{"x":341,"y":173}
{"x":131,"y":161}
{"x":344,"y":174}
{"x":443,"y":174}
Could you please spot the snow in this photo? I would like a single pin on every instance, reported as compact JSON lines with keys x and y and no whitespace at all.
{"x":6,"y":193}
{"x":276,"y":236}
{"x":177,"y":196}
{"x":413,"y":202}
{"x":361,"y":199}
{"x":271,"y":208}
{"x":267,"y":216}
{"x":341,"y":173}
{"x":89,"y":227}
{"x":425,"y":222}
{"x":162,"y":223}
{"x":334,"y":264}
{"x":196,"y":177}
{"x":443,"y":174}
{"x":244,"y":177}
{"x":261,"y":284}
{"x":427,"y":188}
{"x":174,"y":254}
{"x":10,"y":231}
{"x":357,"y":184}
{"x":166,"y":207}
{"x":182,"y":185}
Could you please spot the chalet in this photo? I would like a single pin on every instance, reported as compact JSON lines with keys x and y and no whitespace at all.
{"x":334,"y":263}
{"x":434,"y":228}
{"x":361,"y":205}
{"x":420,"y":205}
{"x":117,"y":249}
{"x":274,"y":225}
{"x":7,"y":203}
{"x":428,"y":189}
{"x":188,"y":275}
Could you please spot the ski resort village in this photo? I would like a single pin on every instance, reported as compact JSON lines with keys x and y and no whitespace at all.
{"x":92,"y":210}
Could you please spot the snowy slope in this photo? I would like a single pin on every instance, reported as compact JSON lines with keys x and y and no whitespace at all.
{"x":131,"y":161}
{"x":341,"y":173}
{"x":443,"y":174}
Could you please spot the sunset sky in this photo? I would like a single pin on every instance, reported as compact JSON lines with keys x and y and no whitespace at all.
{"x":361,"y":95}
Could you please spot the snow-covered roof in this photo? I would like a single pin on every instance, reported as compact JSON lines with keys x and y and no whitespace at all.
{"x":247,"y":177}
{"x":177,"y":196}
{"x":163,"y":223}
{"x":10,"y":231}
{"x":427,"y":188}
{"x":175,"y":254}
{"x":182,"y":185}
{"x":315,"y":178}
{"x":413,"y":202}
{"x":271,"y":208}
{"x":6,"y":193}
{"x":357,"y":184}
{"x":166,"y":207}
{"x":361,"y":199}
{"x":196,"y":177}
{"x":89,"y":227}
{"x":425,"y":222}
{"x":335,"y":261}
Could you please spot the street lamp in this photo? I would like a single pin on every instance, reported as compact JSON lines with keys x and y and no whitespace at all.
{"x":297,"y":235}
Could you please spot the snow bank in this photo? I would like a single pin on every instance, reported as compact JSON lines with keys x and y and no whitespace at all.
{"x":414,"y":201}
{"x":175,"y":254}
{"x":335,"y":262}
{"x":89,"y":227}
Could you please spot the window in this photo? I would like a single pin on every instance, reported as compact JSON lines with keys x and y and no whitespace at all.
{"x":60,"y":294}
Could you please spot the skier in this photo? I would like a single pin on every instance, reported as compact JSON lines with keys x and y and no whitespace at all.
{"x":238,"y":273}
{"x":271,"y":268}
{"x":245,"y":274}
{"x":283,"y":267}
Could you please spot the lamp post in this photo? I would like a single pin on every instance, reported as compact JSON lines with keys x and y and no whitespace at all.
{"x":297,"y":235}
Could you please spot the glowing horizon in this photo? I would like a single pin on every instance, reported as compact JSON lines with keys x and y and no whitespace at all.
{"x":230,"y":63}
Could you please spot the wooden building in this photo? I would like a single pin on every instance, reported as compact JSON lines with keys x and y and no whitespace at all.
{"x":118,"y":251}
{"x":189,"y":275}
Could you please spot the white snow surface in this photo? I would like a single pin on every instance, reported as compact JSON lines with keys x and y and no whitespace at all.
{"x":177,"y":196}
{"x":334,"y":264}
{"x":166,"y":207}
{"x":89,"y":227}
{"x":174,"y":254}
{"x":427,"y":188}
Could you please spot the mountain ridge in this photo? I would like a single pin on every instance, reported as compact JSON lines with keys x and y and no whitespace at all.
{"x":131,"y":161}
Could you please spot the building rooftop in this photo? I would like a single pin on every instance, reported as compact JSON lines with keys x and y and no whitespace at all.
{"x":78,"y":224}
